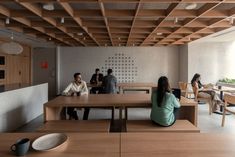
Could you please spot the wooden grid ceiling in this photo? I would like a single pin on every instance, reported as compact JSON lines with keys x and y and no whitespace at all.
{"x":118,"y":22}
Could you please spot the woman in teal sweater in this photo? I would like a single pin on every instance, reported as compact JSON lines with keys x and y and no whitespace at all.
{"x":164,"y":104}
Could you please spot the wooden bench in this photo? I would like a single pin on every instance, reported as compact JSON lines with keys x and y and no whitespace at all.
{"x":148,"y":126}
{"x":75,"y":126}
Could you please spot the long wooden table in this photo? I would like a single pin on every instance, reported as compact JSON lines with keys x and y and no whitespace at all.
{"x":147,"y":87}
{"x":130,"y":145}
{"x":52,"y":108}
{"x":77,"y":145}
{"x":177,"y":145}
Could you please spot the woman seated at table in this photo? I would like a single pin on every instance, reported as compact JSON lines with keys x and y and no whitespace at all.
{"x":164,"y":104}
{"x":204,"y":91}
{"x":77,"y":87}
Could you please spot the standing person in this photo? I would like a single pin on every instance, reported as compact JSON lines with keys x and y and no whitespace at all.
{"x":96,"y":79}
{"x":77,"y":87}
{"x":164,"y":104}
{"x":109,"y":83}
{"x":202,"y":91}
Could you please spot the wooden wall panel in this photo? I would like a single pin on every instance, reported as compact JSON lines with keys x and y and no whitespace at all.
{"x":17,"y":67}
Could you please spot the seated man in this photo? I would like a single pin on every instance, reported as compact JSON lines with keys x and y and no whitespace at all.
{"x":96,"y":79}
{"x":77,"y":87}
{"x":109,"y":83}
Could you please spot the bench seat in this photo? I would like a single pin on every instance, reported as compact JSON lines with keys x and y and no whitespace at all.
{"x":75,"y":126}
{"x":148,"y":126}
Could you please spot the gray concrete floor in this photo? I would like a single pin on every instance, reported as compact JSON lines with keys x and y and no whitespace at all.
{"x":207,"y":123}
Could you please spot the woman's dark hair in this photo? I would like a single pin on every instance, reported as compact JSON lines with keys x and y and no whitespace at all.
{"x":162,"y":88}
{"x":195,"y":77}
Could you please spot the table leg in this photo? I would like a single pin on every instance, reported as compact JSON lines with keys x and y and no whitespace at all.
{"x":126,"y":113}
{"x":113,"y":110}
{"x":120,"y":113}
{"x":221,"y":97}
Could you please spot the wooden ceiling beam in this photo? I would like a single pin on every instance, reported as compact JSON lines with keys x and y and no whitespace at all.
{"x":6,"y":12}
{"x":104,"y":15}
{"x":133,"y":22}
{"x":200,"y":12}
{"x":87,"y":13}
{"x":151,"y":13}
{"x":169,"y":10}
{"x":55,"y":13}
{"x":70,"y":11}
{"x":40,"y":24}
{"x":213,"y":23}
{"x":38,"y":11}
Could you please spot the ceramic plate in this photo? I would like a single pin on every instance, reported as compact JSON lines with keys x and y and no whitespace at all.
{"x":49,"y":141}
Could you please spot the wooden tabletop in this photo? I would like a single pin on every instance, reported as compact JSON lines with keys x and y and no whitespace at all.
{"x":177,"y":145}
{"x":106,"y":100}
{"x":143,"y":84}
{"x":137,"y":84}
{"x":78,"y":145}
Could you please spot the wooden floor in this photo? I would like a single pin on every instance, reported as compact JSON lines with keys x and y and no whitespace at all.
{"x":206,"y":123}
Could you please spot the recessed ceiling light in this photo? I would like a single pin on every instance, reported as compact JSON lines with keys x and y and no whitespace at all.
{"x":48,"y":6}
{"x":159,"y":33}
{"x":191,"y":6}
{"x":80,"y":34}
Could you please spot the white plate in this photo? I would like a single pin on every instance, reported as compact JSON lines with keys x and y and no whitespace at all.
{"x":49,"y":141}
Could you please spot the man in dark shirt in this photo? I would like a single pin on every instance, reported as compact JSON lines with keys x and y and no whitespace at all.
{"x":96,"y":79}
{"x":109,"y":83}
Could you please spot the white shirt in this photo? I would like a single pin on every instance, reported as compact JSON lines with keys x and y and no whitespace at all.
{"x":73,"y":87}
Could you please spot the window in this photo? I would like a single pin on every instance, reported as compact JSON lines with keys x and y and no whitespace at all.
{"x":2,"y":74}
{"x":2,"y":60}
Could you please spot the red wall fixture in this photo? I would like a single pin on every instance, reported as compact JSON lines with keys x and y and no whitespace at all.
{"x":44,"y":64}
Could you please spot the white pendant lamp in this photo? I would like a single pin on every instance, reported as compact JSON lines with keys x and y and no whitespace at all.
{"x":12,"y":48}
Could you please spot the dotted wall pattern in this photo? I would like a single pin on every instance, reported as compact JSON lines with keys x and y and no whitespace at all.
{"x":123,"y":67}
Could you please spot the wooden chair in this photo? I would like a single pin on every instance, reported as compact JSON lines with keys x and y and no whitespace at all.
{"x":206,"y":100}
{"x":229,"y":99}
{"x":183,"y":86}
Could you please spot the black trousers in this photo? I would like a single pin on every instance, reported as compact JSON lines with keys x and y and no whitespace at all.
{"x":72,"y":113}
{"x":86,"y":113}
{"x":176,"y":114}
{"x":94,"y":90}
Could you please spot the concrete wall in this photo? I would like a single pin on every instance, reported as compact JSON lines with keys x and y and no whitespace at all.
{"x":42,"y":75}
{"x":130,"y":64}
{"x":213,"y":61}
{"x":183,"y":63}
{"x":21,"y":106}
